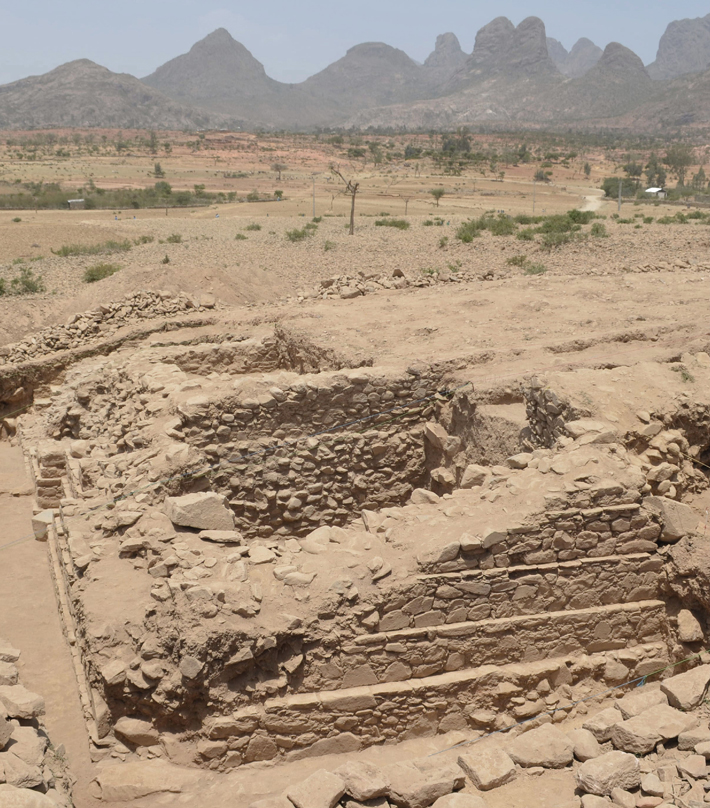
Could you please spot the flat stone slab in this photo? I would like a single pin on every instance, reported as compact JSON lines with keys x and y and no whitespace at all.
{"x":322,"y":789}
{"x":602,"y":723}
{"x":612,"y":770}
{"x":487,"y":768}
{"x":640,"y":734}
{"x":363,"y":781}
{"x":130,"y":781}
{"x":545,"y":746}
{"x":205,"y":511}
{"x":686,"y":690}
{"x":640,"y":700}
{"x":20,"y":702}
{"x":12,"y":797}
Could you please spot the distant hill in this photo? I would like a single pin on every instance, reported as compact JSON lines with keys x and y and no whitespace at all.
{"x":220,"y":75}
{"x":684,"y":48}
{"x":82,"y":93}
{"x":515,"y":74}
{"x":580,"y":60}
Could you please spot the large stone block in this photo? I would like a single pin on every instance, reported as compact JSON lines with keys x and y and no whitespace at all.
{"x":610,"y":771}
{"x":137,"y":731}
{"x":363,"y":780}
{"x":322,"y":789}
{"x":21,"y":703}
{"x":678,"y":519}
{"x":13,"y":797}
{"x":204,"y":511}
{"x":487,"y":768}
{"x":544,"y":746}
{"x":640,"y":734}
{"x":687,"y":690}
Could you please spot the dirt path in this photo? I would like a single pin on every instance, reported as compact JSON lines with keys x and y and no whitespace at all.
{"x":594,"y":200}
{"x":30,"y":621}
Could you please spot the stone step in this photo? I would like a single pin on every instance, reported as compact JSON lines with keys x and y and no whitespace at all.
{"x":484,"y":697}
{"x":413,"y":653}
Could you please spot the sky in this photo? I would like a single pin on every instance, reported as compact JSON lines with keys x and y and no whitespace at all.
{"x":297,"y":39}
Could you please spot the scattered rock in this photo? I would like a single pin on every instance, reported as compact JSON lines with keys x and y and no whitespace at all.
{"x":640,"y":734}
{"x":694,"y":766}
{"x":678,"y":519}
{"x":640,"y":700}
{"x":460,"y":801}
{"x":13,"y":797}
{"x":205,"y":511}
{"x":135,"y":779}
{"x":689,"y":629}
{"x":487,"y":768}
{"x":322,"y":789}
{"x":585,"y":745}
{"x":609,"y":771}
{"x":137,"y":731}
{"x":363,"y":781}
{"x":602,"y":723}
{"x":686,"y":690}
{"x":545,"y":746}
{"x":473,"y":476}
{"x":21,"y":703}
{"x":413,"y":788}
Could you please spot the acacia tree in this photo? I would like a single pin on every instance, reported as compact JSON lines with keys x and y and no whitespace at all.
{"x":437,"y":193}
{"x":679,"y":158}
{"x":278,"y":168}
{"x":351,"y":188}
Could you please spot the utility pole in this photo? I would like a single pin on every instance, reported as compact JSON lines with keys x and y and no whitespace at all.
{"x":314,"y":196}
{"x":620,"y":181}
{"x":533,"y":197}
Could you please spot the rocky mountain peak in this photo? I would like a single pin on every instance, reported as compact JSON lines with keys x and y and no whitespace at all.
{"x":684,"y":48}
{"x":447,"y":52}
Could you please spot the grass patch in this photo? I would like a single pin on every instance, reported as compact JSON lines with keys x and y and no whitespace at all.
{"x":253,"y":227}
{"x":174,"y":238}
{"x":535,"y":269}
{"x":240,"y":237}
{"x":17,"y":219}
{"x":554,"y":240}
{"x":517,"y":261}
{"x":436,"y":222}
{"x":100,"y":271}
{"x":685,"y":374}
{"x":400,"y":224}
{"x":106,"y":247}
{"x":328,"y":246}
{"x":599,"y":230}
{"x":144,"y":240}
{"x":299,"y":235}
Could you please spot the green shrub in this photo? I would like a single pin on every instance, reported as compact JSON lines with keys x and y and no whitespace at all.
{"x":240,"y":237}
{"x":144,"y":240}
{"x":581,"y":216}
{"x":328,"y":245}
{"x":648,"y":219}
{"x":319,"y":219}
{"x":527,"y":234}
{"x":253,"y":196}
{"x":175,"y":238}
{"x":253,"y":227}
{"x":502,"y":226}
{"x":27,"y":283}
{"x":535,"y":269}
{"x":517,"y":261}
{"x":3,"y":287}
{"x":299,"y":235}
{"x":599,"y":230}
{"x":165,"y":260}
{"x":400,"y":224}
{"x":107,"y":247}
{"x":100,"y":271}
{"x":523,"y":218}
{"x":443,"y":241}
{"x":17,"y":219}
{"x":554,"y":240}
{"x":468,"y":231}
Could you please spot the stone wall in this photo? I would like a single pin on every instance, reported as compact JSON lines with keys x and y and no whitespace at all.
{"x":280,"y":481}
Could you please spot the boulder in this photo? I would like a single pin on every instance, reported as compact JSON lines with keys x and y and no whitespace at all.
{"x":609,"y":771}
{"x":322,"y":789}
{"x":640,"y":700}
{"x":602,"y":723}
{"x":473,"y":476}
{"x":678,"y":519}
{"x":13,"y":797}
{"x":640,"y":734}
{"x":691,"y":738}
{"x":363,"y":781}
{"x":21,"y":703}
{"x":205,"y":511}
{"x":28,"y":745}
{"x":6,"y":730}
{"x":8,"y":673}
{"x":687,"y":690}
{"x":137,"y":731}
{"x":545,"y":746}
{"x":693,"y":766}
{"x":222,"y":536}
{"x":410,"y":787}
{"x":689,"y":628}
{"x":130,"y":781}
{"x":592,"y":801}
{"x":585,"y":745}
{"x":7,"y":652}
{"x":651,"y":784}
{"x":41,"y":522}
{"x":487,"y":768}
{"x":624,"y":799}
{"x":460,"y":801}
{"x":21,"y":774}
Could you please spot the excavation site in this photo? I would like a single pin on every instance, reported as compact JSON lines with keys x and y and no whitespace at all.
{"x":293,"y":564}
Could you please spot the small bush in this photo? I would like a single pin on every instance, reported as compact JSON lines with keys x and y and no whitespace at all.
{"x":599,"y":230}
{"x":502,"y":226}
{"x":317,"y":219}
{"x":581,"y":216}
{"x":436,"y":222}
{"x":253,"y":196}
{"x":443,"y":241}
{"x":299,"y":235}
{"x":648,"y":219}
{"x":100,"y":271}
{"x":527,"y":234}
{"x":108,"y":247}
{"x":17,"y":219}
{"x":240,"y":237}
{"x":554,"y":240}
{"x":27,"y":283}
{"x":175,"y":238}
{"x":253,"y":227}
{"x":535,"y":269}
{"x":517,"y":261}
{"x":3,"y":287}
{"x":328,"y":246}
{"x":165,"y":260}
{"x":400,"y":224}
{"x":144,"y":240}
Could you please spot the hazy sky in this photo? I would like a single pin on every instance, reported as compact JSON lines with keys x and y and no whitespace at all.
{"x":296,"y":39}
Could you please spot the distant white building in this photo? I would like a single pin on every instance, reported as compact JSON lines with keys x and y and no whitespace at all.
{"x":75,"y":204}
{"x":659,"y":193}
